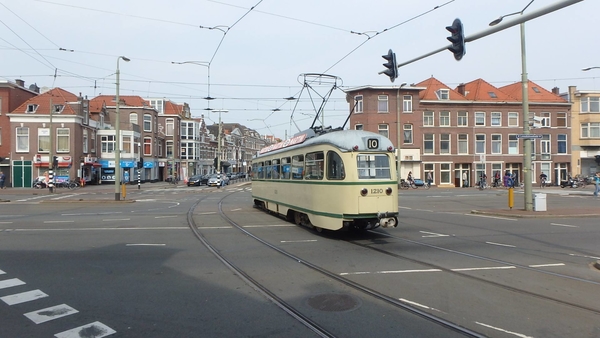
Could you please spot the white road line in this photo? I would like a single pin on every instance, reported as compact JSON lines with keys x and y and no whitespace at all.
{"x":145,"y":244}
{"x":2,"y":272}
{"x":500,"y":244}
{"x":10,"y":283}
{"x":565,"y":225}
{"x":269,"y":225}
{"x":486,"y":268}
{"x":400,"y":207}
{"x":417,"y":304}
{"x":116,"y":219}
{"x":63,"y":197}
{"x":49,"y":222}
{"x":505,"y":331}
{"x":6,"y":222}
{"x":23,"y":297}
{"x":102,"y":229}
{"x":93,"y":213}
{"x":494,"y":217}
{"x":11,"y":216}
{"x":546,"y":265}
{"x":95,"y":329}
{"x":207,"y":213}
{"x":354,"y":273}
{"x":576,"y":255}
{"x":172,"y":216}
{"x":300,"y":241}
{"x":238,"y":209}
{"x":408,"y":271}
{"x":432,"y":234}
{"x":50,"y":313}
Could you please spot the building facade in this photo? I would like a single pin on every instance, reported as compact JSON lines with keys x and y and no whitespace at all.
{"x":585,"y":119}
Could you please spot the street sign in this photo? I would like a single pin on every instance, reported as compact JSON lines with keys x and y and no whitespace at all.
{"x":528,"y":136}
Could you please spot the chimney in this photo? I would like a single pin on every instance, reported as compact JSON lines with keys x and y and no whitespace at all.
{"x":20,"y":82}
{"x":461,"y":89}
{"x":556,"y":91}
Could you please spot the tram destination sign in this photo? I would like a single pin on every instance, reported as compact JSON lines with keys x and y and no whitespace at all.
{"x":528,"y":136}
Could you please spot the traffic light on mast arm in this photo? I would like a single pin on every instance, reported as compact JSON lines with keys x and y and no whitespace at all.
{"x":458,"y":39}
{"x":391,"y":65}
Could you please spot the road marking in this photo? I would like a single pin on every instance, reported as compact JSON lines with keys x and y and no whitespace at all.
{"x":576,"y":255}
{"x":546,"y":265}
{"x":2,"y":272}
{"x":432,"y":234}
{"x":500,"y":244}
{"x":116,"y":219}
{"x":10,"y":283}
{"x":95,"y":329}
{"x":417,"y":304}
{"x":59,"y":222}
{"x":494,"y":217}
{"x":238,"y":209}
{"x":23,"y":297}
{"x":387,"y":272}
{"x":145,"y":244}
{"x":6,"y":222}
{"x":505,"y":331}
{"x":486,"y":268}
{"x":102,"y":229}
{"x":166,"y":216}
{"x":300,"y":241}
{"x":400,"y":207}
{"x":269,"y":225}
{"x":11,"y":215}
{"x":565,"y":225}
{"x":207,"y":213}
{"x":50,"y":313}
{"x":93,"y":213}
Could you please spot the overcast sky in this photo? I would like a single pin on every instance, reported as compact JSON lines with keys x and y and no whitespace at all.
{"x":258,"y":49}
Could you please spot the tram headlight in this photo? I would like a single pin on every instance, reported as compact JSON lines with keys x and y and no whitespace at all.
{"x":364,"y":192}
{"x":388,"y":191}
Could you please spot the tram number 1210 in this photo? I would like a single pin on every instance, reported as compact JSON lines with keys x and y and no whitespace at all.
{"x":373,"y":143}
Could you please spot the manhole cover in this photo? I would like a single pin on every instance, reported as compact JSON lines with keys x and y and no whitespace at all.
{"x":333,"y":302}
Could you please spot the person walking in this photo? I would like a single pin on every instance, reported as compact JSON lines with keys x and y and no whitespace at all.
{"x":464,"y":178}
{"x":2,"y":178}
{"x":597,"y":181}
{"x":429,"y":178}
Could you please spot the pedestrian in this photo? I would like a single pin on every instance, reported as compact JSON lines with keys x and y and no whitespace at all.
{"x":429,"y":178}
{"x":2,"y":178}
{"x":464,"y":178}
{"x":597,"y":181}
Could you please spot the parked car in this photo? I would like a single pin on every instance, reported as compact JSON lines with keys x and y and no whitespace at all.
{"x":213,"y":181}
{"x":195,"y":180}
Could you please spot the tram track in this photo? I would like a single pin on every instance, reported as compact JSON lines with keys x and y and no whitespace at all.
{"x":286,"y":307}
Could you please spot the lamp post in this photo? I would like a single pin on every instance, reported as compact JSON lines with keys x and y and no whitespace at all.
{"x":219,"y":139}
{"x":118,"y":137}
{"x":204,"y":64}
{"x":527,"y":175}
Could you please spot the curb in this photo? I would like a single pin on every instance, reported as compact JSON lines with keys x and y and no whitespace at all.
{"x":87,"y":201}
{"x":539,"y":214}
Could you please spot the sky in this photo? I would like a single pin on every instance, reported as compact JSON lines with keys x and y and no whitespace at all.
{"x":251,"y":55}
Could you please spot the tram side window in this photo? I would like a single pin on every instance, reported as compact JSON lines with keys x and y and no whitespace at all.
{"x":267,"y":170}
{"x":373,"y":166}
{"x":335,"y":167}
{"x":276,"y":173}
{"x":314,"y":166}
{"x":297,"y":167}
{"x":260,"y":171}
{"x":286,"y":167}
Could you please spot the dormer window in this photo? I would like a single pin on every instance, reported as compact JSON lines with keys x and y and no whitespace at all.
{"x":536,"y":89}
{"x":31,"y":108}
{"x":58,"y":108}
{"x":492,"y":95}
{"x":443,"y":94}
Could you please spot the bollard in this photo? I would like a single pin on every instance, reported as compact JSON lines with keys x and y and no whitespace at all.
{"x":139,"y":178}
{"x":123,"y":191}
{"x":511,"y":198}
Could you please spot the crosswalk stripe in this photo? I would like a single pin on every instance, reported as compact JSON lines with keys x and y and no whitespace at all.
{"x":50,"y":313}
{"x":95,"y":329}
{"x":23,"y":297}
{"x":10,"y":283}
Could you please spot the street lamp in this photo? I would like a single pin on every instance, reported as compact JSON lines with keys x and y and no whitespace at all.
{"x":527,"y":175}
{"x":204,"y":64}
{"x":219,"y":139}
{"x":118,"y":138}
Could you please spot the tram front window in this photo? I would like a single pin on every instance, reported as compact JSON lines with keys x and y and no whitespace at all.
{"x":373,"y":166}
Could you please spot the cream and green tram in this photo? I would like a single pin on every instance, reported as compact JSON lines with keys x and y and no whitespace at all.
{"x":341,"y":179}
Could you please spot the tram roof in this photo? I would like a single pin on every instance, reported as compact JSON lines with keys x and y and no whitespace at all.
{"x":343,"y":139}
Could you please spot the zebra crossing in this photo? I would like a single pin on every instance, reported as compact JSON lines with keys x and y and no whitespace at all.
{"x":95,"y":329}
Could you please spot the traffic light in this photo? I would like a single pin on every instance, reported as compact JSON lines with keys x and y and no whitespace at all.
{"x":391,"y":65}
{"x":140,"y":163}
{"x":215,"y":164}
{"x":54,"y":162}
{"x":458,"y":39}
{"x":597,"y":159}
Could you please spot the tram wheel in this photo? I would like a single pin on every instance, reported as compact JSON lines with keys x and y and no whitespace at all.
{"x":297,"y":218}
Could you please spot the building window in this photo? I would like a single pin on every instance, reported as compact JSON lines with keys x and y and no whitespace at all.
{"x":169,"y":148}
{"x":561,"y":147}
{"x":445,"y":173}
{"x":590,"y":104}
{"x":358,"y":127}
{"x":408,"y":133}
{"x":444,"y":119}
{"x":513,"y":119}
{"x":43,"y":140}
{"x":407,"y":104}
{"x":428,"y":140}
{"x":383,"y":130}
{"x":158,"y":105}
{"x":133,"y":118}
{"x":428,"y":167}
{"x":147,"y":122}
{"x":463,"y":143}
{"x":443,"y":94}
{"x":463,"y":119}
{"x":107,"y":143}
{"x":545,"y":145}
{"x":480,"y":118}
{"x":496,"y":119}
{"x":480,"y":144}
{"x":62,"y":140}
{"x":85,"y":141}
{"x":513,"y":145}
{"x":545,"y":169}
{"x":31,"y":108}
{"x":358,"y":99}
{"x":545,"y":119}
{"x":170,"y":123}
{"x":496,"y":144}
{"x":590,"y":130}
{"x":93,"y":143}
{"x":427,"y":119}
{"x":147,"y":146}
{"x":445,"y":144}
{"x":382,"y":104}
{"x":58,"y":108}
{"x":561,"y":119}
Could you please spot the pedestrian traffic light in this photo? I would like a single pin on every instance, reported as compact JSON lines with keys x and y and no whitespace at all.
{"x":391,"y":65}
{"x":54,"y":162}
{"x":458,"y":39}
